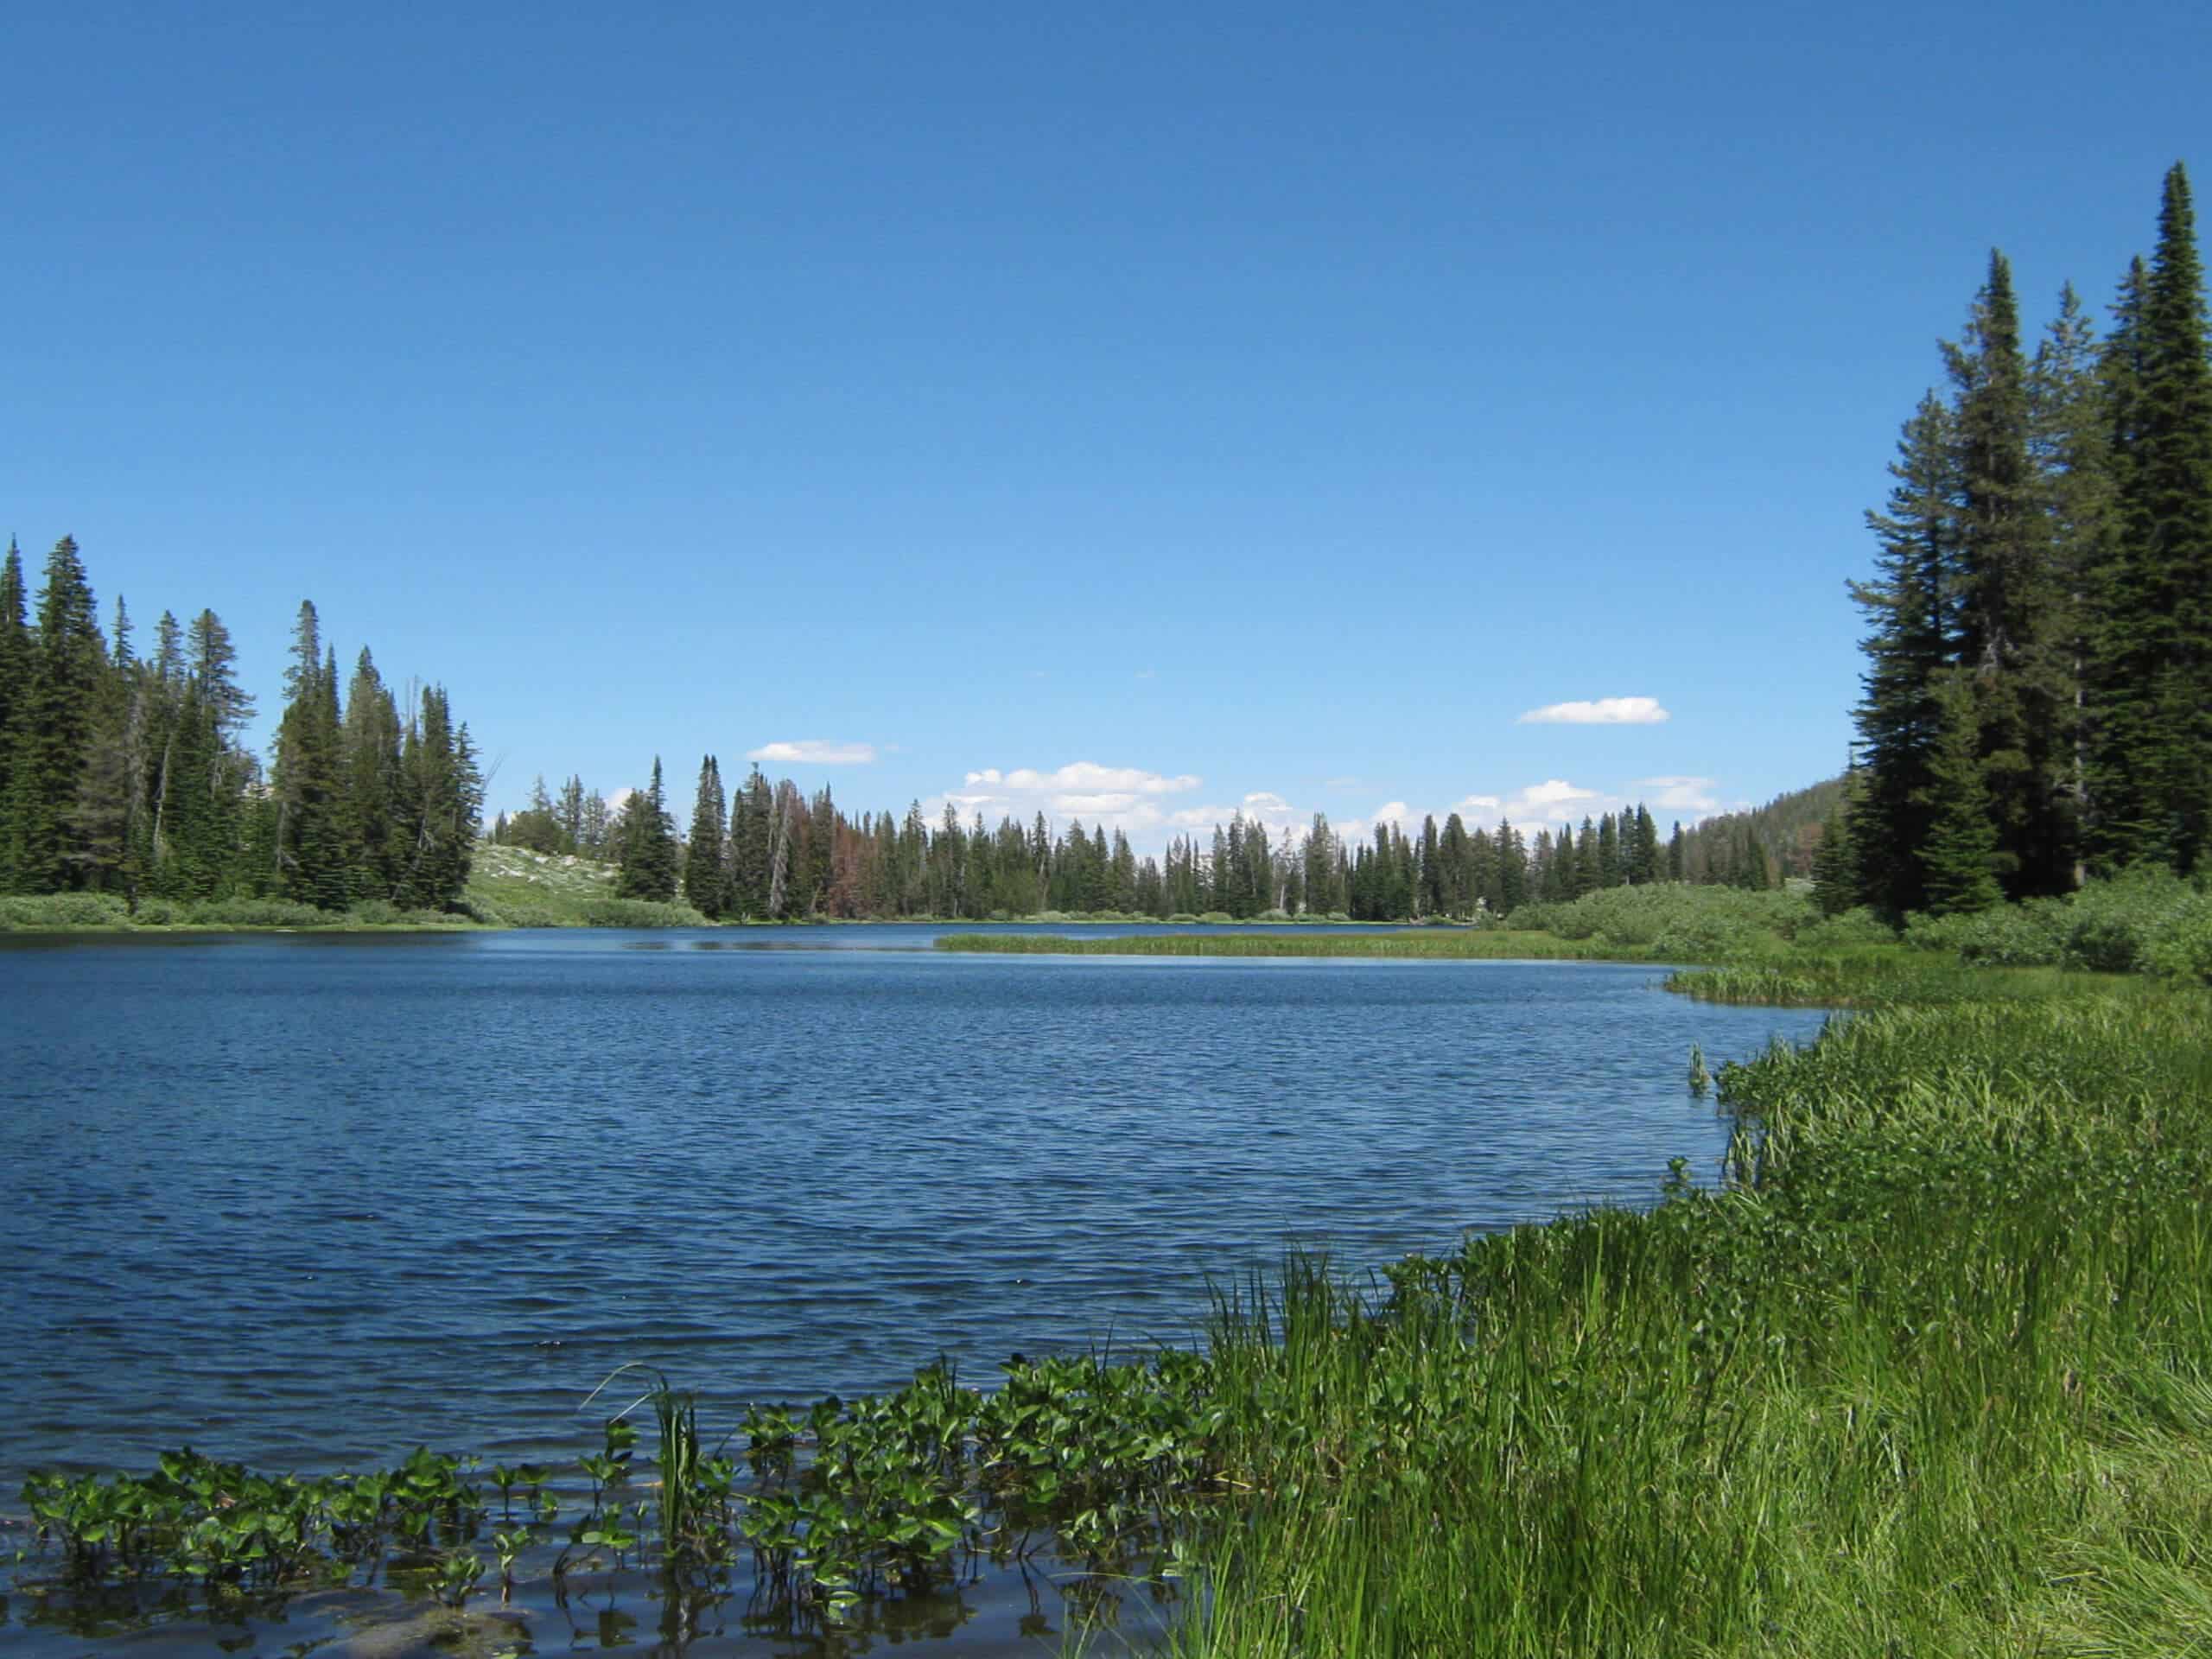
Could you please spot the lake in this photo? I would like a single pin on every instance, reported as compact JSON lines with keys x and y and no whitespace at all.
{"x":307,"y":1201}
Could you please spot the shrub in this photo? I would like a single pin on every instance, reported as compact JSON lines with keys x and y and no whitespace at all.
{"x":2183,"y":952}
{"x":1715,"y":937}
{"x":639,"y":912}
{"x":1850,"y":931}
{"x":2004,"y":936}
{"x":33,"y":911}
{"x":256,"y":912}
{"x":1672,"y":917}
{"x":2113,"y":925}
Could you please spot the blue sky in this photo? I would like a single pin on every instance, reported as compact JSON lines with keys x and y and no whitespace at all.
{"x":1134,"y":412}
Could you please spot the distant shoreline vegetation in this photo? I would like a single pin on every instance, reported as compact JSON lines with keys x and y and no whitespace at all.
{"x":1771,"y":947}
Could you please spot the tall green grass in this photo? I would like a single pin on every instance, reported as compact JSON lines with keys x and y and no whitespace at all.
{"x":1932,"y":1376}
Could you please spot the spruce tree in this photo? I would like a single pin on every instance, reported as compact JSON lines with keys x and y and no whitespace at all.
{"x":648,"y":845}
{"x":706,"y":875}
{"x":53,"y":727}
{"x":2007,"y":607}
{"x":370,"y":760}
{"x":435,"y":807}
{"x":1912,"y":633}
{"x":1960,"y":852}
{"x":1644,"y":867}
{"x":2071,"y":446}
{"x":313,"y":864}
{"x":2160,"y":616}
{"x":15,"y":649}
{"x":1835,"y":870}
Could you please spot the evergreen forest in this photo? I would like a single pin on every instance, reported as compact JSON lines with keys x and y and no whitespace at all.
{"x":769,"y":852}
{"x":125,"y":771}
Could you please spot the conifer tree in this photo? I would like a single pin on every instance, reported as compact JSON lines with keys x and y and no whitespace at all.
{"x":648,"y":845}
{"x":15,"y":650}
{"x":311,"y":851}
{"x":212,"y":663}
{"x":1962,"y":849}
{"x":2071,"y":447}
{"x":1911,"y":639}
{"x":1835,"y":870}
{"x":435,"y":807}
{"x":2156,"y":613}
{"x":370,"y":758}
{"x":53,"y":727}
{"x":2007,"y":604}
{"x":706,"y":875}
{"x":1643,"y":866}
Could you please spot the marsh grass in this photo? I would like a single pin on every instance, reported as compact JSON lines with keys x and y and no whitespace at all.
{"x":1932,"y":1375}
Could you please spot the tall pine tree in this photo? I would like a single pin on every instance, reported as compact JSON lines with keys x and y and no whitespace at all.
{"x":1911,"y":635}
{"x":53,"y":728}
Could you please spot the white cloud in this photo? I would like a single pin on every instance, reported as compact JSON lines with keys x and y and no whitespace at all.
{"x":1554,"y":792}
{"x":1129,"y":798}
{"x":1553,"y":801}
{"x":1679,"y":794}
{"x":1606,"y":711}
{"x":815,"y":752}
{"x":1086,"y":777}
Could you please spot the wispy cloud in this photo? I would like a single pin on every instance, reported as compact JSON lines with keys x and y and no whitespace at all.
{"x":1086,"y":777}
{"x":1604,"y":711}
{"x":815,"y":752}
{"x":1679,"y":794}
{"x":1139,"y":803}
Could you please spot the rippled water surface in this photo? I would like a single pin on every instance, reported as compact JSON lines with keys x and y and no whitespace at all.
{"x":307,"y":1202}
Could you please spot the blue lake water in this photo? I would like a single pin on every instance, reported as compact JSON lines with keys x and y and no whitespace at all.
{"x":307,"y":1202}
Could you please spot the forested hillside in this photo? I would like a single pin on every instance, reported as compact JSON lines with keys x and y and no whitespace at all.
{"x":1762,"y":845}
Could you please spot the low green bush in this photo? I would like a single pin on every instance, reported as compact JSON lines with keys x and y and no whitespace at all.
{"x":2006,"y":936}
{"x":32,"y":912}
{"x":1851,"y":930}
{"x":254,"y":913}
{"x":2146,"y":921}
{"x":1673,"y":918}
{"x":637,"y":912}
{"x":2183,"y":952}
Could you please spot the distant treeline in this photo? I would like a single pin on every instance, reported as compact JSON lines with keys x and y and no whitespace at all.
{"x":2038,"y":690}
{"x":123,"y":771}
{"x":769,"y":852}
